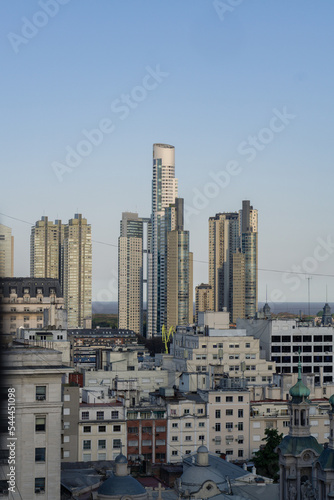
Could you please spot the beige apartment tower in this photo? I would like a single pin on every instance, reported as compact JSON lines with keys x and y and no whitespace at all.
{"x":179,"y":268}
{"x":6,"y":252}
{"x":233,"y":261}
{"x":130,"y":273}
{"x":46,"y":242}
{"x":78,"y":272}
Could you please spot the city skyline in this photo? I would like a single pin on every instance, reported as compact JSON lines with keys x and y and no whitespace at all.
{"x":245,"y":100}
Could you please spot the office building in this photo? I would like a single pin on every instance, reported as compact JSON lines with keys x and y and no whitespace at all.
{"x":233,"y":262}
{"x":282,"y":339}
{"x":131,"y":254}
{"x":78,"y":272}
{"x":164,"y":192}
{"x":6,"y":252}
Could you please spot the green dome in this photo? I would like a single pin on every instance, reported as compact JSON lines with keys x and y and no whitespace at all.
{"x":299,"y":391}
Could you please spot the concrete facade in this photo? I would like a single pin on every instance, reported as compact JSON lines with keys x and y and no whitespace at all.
{"x":6,"y":252}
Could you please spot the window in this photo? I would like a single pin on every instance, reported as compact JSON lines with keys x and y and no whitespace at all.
{"x":285,"y":423}
{"x":188,"y":438}
{"x":86,"y":444}
{"x":186,"y":411}
{"x":217,"y":399}
{"x":117,"y":443}
{"x":240,"y":413}
{"x":160,"y":429}
{"x":217,"y":427}
{"x":147,"y":430}
{"x":247,"y":345}
{"x":114,"y":414}
{"x":40,"y":392}
{"x":240,"y":398}
{"x":39,"y":484}
{"x":240,"y":453}
{"x":175,"y":438}
{"x":201,"y":437}
{"x":188,"y":424}
{"x":229,"y":425}
{"x":100,"y":415}
{"x":86,"y":457}
{"x":85,"y":415}
{"x":147,"y":442}
{"x":218,"y":414}
{"x":133,"y":430}
{"x":229,"y":452}
{"x":229,"y":399}
{"x":201,"y":424}
{"x":101,"y":456}
{"x":133,"y":442}
{"x":39,"y":454}
{"x":102,"y":428}
{"x":116,"y":428}
{"x":229,"y":412}
{"x":200,"y":410}
{"x":87,"y":428}
{"x":40,"y":423}
{"x":174,"y":453}
{"x":174,"y":425}
{"x":101,"y":444}
{"x":240,"y":426}
{"x":240,"y":440}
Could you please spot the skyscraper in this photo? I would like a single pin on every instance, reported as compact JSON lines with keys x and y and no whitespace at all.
{"x":78,"y":272}
{"x":6,"y":252}
{"x":164,"y":192}
{"x":46,"y":242}
{"x":130,"y":272}
{"x":178,"y":273}
{"x":233,"y":263}
{"x":64,"y":252}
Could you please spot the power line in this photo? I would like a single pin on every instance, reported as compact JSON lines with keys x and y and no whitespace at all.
{"x":195,"y":260}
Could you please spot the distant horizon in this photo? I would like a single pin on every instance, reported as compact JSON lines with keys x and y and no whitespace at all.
{"x":276,"y":307}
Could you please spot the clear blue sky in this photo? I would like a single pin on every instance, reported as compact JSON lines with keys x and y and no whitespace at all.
{"x":225,"y":78}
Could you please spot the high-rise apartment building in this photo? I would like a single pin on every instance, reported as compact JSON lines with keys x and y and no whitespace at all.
{"x":178,"y":272}
{"x":64,"y":252}
{"x":78,"y":272}
{"x":203,"y":299}
{"x":233,"y":263}
{"x":131,"y":248}
{"x":164,"y":192}
{"x":46,"y":242}
{"x":6,"y":252}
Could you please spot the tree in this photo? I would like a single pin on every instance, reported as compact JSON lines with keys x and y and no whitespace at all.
{"x":266,"y":460}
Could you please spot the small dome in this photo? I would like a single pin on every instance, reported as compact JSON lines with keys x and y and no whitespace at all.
{"x":119,"y":486}
{"x":299,"y":390}
{"x":121,"y":459}
{"x":202,"y":449}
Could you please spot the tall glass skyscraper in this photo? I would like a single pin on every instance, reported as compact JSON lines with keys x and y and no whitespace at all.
{"x":164,"y":192}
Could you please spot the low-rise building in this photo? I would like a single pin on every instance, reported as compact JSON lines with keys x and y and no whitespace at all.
{"x":101,"y":431}
{"x":147,"y":433}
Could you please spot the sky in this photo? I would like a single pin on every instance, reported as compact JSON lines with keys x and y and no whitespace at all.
{"x":242,"y":89}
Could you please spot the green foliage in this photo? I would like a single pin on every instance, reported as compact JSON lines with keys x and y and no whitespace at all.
{"x":266,"y":460}
{"x":105,"y":320}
